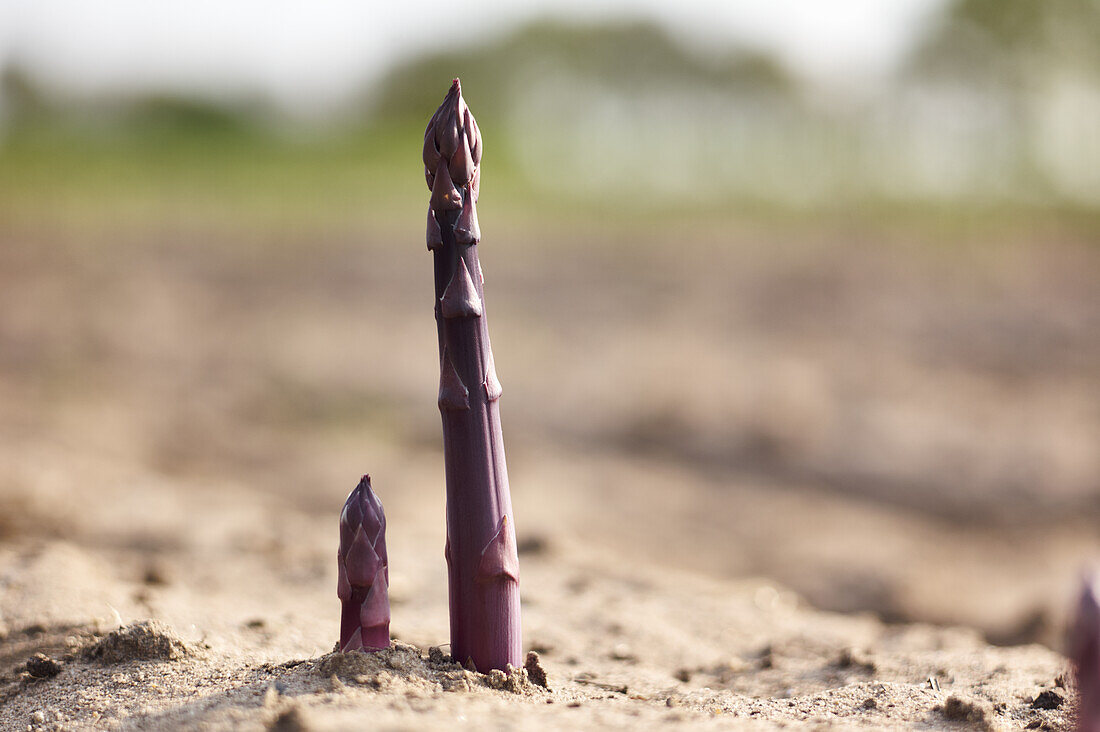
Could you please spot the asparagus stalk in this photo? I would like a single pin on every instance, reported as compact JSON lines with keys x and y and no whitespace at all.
{"x":482,"y":562}
{"x":1085,"y":652}
{"x":364,"y":573}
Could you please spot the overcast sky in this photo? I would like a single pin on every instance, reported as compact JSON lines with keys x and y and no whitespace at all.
{"x":322,"y":49}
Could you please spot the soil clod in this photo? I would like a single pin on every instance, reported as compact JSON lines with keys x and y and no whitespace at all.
{"x":514,"y":680}
{"x":535,"y":672}
{"x":437,"y":657}
{"x":41,"y":666}
{"x":148,"y":640}
{"x":1047,"y":700}
{"x":405,"y":664}
{"x":957,"y":709}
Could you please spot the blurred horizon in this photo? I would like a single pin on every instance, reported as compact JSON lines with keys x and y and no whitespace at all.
{"x":985,"y":108}
{"x":304,"y":53}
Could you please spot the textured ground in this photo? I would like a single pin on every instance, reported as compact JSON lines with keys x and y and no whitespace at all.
{"x":245,"y":648}
{"x":711,"y":448}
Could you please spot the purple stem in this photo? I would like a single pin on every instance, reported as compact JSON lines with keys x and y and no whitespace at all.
{"x":481,"y":553}
{"x":1084,"y":650}
{"x":364,"y":572}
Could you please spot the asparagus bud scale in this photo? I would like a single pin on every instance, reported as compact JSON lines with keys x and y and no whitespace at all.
{"x":483,"y":565}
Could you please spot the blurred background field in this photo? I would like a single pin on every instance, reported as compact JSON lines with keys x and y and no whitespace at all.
{"x":840,"y":329}
{"x":983,"y":107}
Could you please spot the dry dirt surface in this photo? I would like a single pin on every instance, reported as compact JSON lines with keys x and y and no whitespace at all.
{"x":763,"y":484}
{"x":615,"y":648}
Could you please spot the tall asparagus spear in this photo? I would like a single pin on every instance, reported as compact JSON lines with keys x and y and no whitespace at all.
{"x":364,"y":572}
{"x":481,"y":544}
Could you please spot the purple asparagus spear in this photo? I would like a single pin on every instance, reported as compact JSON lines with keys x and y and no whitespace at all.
{"x":481,"y":553}
{"x":1085,"y":651}
{"x":364,"y":572}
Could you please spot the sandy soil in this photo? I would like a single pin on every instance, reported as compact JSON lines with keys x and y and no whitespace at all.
{"x":794,"y":479}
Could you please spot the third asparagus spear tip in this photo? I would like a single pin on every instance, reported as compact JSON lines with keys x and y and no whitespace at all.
{"x":364,"y":572}
{"x":1084,"y":650}
{"x":482,"y":562}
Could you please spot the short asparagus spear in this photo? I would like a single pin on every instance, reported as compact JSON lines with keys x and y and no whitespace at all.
{"x":481,"y":553}
{"x":364,"y":574}
{"x":1085,"y":651}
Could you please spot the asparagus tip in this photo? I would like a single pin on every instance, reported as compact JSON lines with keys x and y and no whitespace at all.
{"x":363,"y":571}
{"x":452,"y":154}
